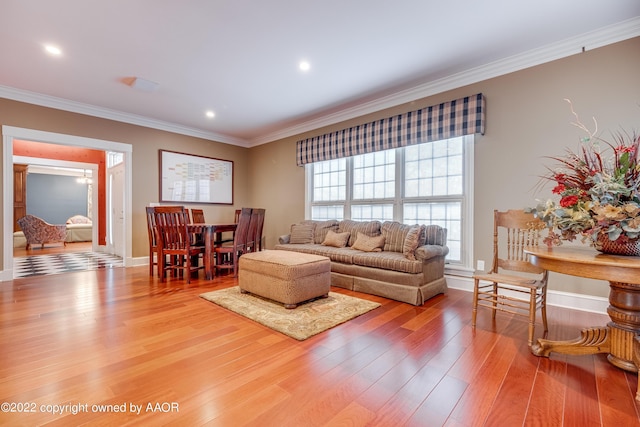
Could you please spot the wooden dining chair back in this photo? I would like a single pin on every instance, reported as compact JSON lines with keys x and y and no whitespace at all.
{"x":178,"y":253}
{"x":237,"y":215}
{"x":154,"y":253}
{"x":254,"y":235}
{"x":228,"y":254}
{"x":259,"y":237}
{"x":513,"y":284}
{"x":197,"y":216}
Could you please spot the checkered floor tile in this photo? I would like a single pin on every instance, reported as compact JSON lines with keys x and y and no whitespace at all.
{"x":62,"y":263}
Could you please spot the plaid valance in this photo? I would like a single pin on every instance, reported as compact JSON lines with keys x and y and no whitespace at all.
{"x":451,"y":119}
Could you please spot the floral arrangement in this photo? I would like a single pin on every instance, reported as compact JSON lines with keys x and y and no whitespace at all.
{"x":599,"y":190}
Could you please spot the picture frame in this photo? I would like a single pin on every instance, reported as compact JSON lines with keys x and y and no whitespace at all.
{"x":191,"y":178}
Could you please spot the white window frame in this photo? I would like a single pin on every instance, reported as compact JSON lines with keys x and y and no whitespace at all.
{"x":465,"y":265}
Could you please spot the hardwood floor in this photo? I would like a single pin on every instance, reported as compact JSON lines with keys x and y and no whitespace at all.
{"x":91,"y":345}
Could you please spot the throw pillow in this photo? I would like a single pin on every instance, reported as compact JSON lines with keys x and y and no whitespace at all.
{"x":302,"y":234}
{"x":370,"y":228}
{"x":322,"y":228}
{"x":338,"y":240}
{"x":368,"y":243}
{"x":411,"y":242}
{"x":395,"y":234}
{"x":78,"y":219}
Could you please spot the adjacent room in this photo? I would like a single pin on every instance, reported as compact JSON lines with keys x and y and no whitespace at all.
{"x":284,"y":213}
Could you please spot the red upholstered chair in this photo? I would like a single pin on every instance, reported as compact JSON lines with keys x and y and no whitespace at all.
{"x":38,"y":232}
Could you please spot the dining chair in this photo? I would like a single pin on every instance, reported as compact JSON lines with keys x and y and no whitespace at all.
{"x":154,"y":249}
{"x":259,"y":236}
{"x":197,"y":216}
{"x":512,"y":275}
{"x":227,"y":239}
{"x":254,"y":235}
{"x":178,"y":253}
{"x":227,"y":255}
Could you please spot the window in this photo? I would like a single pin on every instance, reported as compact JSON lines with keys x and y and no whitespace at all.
{"x":426,"y":183}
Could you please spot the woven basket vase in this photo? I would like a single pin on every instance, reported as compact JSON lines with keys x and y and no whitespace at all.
{"x":606,"y":246}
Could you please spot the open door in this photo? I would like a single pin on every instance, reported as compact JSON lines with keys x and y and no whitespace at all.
{"x":115,"y":203}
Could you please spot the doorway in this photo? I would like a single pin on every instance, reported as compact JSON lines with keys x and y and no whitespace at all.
{"x":10,"y":133}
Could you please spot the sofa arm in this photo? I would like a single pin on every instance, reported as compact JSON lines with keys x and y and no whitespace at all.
{"x":426,"y":252}
{"x":284,"y":239}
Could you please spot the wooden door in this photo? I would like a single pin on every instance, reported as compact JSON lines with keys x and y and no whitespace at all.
{"x":19,"y":194}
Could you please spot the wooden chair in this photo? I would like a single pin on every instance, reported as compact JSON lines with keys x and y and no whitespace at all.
{"x":254,"y":236}
{"x":177,"y":251}
{"x":259,"y":236}
{"x":197,"y":216}
{"x":154,"y":249}
{"x":512,"y":275}
{"x":227,"y":255}
{"x":235,"y":220}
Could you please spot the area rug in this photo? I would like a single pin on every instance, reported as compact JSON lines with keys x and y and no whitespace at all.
{"x":302,"y":322}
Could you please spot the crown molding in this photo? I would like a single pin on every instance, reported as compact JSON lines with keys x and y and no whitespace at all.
{"x":119,"y":116}
{"x":590,"y":40}
{"x":587,"y":41}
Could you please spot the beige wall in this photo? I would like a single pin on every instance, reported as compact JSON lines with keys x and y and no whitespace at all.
{"x":146,"y":143}
{"x":527,"y":120}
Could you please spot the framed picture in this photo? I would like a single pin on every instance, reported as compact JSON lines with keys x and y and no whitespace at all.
{"x":188,"y":178}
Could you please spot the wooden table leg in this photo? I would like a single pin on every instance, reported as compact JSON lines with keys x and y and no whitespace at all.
{"x":208,"y":253}
{"x":591,"y":341}
{"x":620,"y":338}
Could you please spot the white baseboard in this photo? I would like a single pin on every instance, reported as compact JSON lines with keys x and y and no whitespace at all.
{"x":554,"y":298}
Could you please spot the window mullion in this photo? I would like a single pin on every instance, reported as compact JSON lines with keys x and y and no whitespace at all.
{"x":349,"y":189}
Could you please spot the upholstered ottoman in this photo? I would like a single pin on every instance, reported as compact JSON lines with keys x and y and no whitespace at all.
{"x":284,"y":276}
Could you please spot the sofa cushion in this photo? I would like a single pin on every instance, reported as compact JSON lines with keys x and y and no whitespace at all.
{"x":321,"y":228}
{"x":394,"y":261}
{"x":302,"y":233}
{"x":368,"y":243}
{"x":411,"y":242}
{"x":341,"y":255}
{"x":434,"y":235}
{"x":338,"y":240}
{"x":370,"y":228}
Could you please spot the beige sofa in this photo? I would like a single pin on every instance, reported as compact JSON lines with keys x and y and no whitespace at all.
{"x":390,"y":259}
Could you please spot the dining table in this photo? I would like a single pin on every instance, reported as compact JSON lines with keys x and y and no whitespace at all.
{"x":212,"y":236}
{"x":620,"y":338}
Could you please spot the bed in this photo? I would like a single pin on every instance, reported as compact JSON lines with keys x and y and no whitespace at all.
{"x":79,"y":229}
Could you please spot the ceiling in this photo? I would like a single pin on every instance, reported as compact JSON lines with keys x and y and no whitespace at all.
{"x":239,"y":58}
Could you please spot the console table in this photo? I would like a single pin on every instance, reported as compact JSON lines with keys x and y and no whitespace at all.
{"x":620,"y":338}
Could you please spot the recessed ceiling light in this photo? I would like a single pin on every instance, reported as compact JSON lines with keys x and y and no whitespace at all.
{"x":53,"y":50}
{"x":304,"y":66}
{"x":210,"y":114}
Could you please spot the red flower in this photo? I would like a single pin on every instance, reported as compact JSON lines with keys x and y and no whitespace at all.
{"x":624,"y":149}
{"x":568,"y":201}
{"x":558,"y":189}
